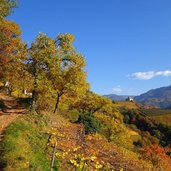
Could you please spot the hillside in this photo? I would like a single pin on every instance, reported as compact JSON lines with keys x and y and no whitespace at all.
{"x":51,"y":120}
{"x":160,"y":115}
{"x":117,"y":145}
{"x":38,"y":134}
{"x":126,"y":104}
{"x":160,"y":97}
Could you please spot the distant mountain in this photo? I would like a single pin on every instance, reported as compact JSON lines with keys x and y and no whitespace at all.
{"x":160,"y":97}
{"x":117,"y":97}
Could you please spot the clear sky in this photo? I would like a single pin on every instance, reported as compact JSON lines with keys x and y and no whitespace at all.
{"x":126,"y":43}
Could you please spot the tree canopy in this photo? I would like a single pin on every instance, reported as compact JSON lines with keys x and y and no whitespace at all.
{"x":6,"y":7}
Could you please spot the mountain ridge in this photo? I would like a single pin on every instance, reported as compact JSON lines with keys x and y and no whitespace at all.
{"x":158,"y":97}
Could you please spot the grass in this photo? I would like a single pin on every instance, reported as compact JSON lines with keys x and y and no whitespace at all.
{"x":129,"y":105}
{"x":165,"y":119}
{"x":24,"y":145}
{"x":157,"y":112}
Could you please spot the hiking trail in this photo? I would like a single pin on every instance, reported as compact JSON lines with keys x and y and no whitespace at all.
{"x":10,"y":109}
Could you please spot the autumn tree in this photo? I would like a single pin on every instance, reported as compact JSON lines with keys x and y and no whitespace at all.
{"x":10,"y":47}
{"x":16,"y":70}
{"x":71,"y":79}
{"x":9,"y":33}
{"x":92,"y":102}
{"x":56,"y":68}
{"x":41,"y":58}
{"x":6,"y":7}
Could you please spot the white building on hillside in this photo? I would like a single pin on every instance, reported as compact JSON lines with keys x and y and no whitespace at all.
{"x":129,"y":99}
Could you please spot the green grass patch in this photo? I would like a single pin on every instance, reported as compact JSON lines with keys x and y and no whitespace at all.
{"x":24,"y":146}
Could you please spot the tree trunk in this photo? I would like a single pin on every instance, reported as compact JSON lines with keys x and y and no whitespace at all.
{"x":34,"y":93}
{"x":33,"y":102}
{"x":57,"y":102}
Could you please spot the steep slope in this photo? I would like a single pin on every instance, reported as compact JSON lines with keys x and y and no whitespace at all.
{"x":160,"y":97}
{"x":111,"y":148}
{"x":74,"y":149}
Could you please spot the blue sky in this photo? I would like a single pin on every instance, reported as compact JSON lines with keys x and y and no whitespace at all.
{"x":126,"y":43}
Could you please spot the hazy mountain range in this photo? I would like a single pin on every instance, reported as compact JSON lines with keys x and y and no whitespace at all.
{"x":160,"y":97}
{"x":118,"y":97}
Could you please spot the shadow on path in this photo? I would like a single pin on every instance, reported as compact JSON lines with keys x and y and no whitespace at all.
{"x":10,"y":109}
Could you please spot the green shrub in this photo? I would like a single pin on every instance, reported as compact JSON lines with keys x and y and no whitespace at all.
{"x":73,"y":115}
{"x":91,"y":124}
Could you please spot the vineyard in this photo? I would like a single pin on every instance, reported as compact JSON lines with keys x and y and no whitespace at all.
{"x":160,"y":115}
{"x":74,"y":149}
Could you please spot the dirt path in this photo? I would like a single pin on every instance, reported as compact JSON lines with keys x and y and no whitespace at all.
{"x":9,"y":111}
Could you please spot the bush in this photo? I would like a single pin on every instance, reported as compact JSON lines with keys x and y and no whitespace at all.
{"x":73,"y":115}
{"x":91,"y":124}
{"x":157,"y":156}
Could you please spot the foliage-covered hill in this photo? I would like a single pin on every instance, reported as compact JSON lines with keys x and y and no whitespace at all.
{"x":160,"y":97}
{"x":123,"y":140}
{"x":68,"y":127}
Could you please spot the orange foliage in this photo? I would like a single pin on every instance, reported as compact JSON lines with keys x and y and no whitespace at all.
{"x":9,"y":40}
{"x":157,"y":155}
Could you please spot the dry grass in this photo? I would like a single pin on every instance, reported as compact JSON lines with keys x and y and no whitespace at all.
{"x":129,"y":105}
{"x":165,"y":119}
